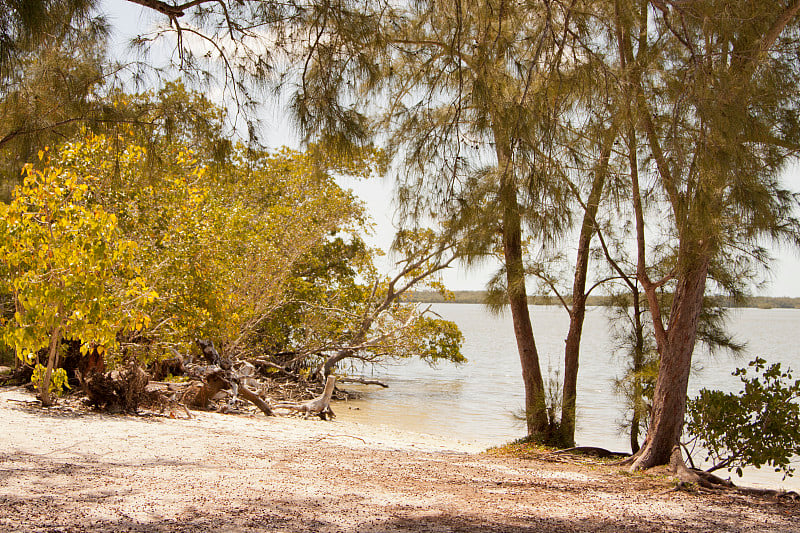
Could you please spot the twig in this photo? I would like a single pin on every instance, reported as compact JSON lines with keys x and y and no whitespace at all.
{"x":332,"y":436}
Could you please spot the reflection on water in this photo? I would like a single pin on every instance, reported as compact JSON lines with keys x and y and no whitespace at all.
{"x":476,"y":401}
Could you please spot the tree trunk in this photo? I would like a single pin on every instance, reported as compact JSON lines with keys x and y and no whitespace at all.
{"x":330,"y":363}
{"x":638,"y":364}
{"x":535,"y":407}
{"x":572,"y":349}
{"x":669,"y":397}
{"x":52,"y":361}
{"x":634,"y":434}
{"x":577,"y":314}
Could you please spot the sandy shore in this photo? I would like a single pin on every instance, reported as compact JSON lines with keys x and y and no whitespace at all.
{"x":67,"y":471}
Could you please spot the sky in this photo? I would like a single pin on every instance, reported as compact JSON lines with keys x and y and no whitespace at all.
{"x":128,"y":19}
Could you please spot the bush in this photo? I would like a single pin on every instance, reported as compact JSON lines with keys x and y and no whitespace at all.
{"x":759,"y":425}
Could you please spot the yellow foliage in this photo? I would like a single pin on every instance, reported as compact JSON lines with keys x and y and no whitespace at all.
{"x":64,"y":261}
{"x":212,"y":248}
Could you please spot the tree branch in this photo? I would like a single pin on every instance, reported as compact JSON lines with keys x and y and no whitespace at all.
{"x":170,"y":10}
{"x":775,"y":31}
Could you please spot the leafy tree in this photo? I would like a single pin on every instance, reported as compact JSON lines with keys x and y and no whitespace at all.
{"x":71,"y":273}
{"x":58,"y":91}
{"x":589,"y":128}
{"x":218,"y":244}
{"x":52,"y":74}
{"x":26,"y":25}
{"x":503,"y":125}
{"x":259,"y":251}
{"x":381,"y":326}
{"x":759,"y":425}
{"x":634,"y":339}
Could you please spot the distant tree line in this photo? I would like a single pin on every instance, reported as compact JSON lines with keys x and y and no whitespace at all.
{"x":481,"y":297}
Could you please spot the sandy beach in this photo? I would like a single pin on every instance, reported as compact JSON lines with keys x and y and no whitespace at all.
{"x":63,"y":470}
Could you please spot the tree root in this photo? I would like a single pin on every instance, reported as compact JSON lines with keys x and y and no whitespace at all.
{"x":117,"y":391}
{"x":696,"y":480}
{"x":319,"y":406}
{"x":591,"y":450}
{"x":770,"y":493}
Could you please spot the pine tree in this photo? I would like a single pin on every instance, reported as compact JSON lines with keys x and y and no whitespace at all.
{"x":472,"y":111}
{"x":711,"y":87}
{"x":27,"y":25}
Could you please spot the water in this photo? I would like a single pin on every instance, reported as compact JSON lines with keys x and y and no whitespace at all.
{"x":476,"y":402}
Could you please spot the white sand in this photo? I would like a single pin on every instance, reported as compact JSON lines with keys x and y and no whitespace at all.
{"x":67,"y":471}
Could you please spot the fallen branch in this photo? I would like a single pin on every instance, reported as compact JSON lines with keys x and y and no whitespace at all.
{"x":364,"y":381}
{"x":255,"y":399}
{"x":329,"y":436}
{"x":280,"y":369}
{"x":224,"y":376}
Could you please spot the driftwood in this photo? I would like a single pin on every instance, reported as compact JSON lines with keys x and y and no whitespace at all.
{"x":200,"y":393}
{"x":363,"y":381}
{"x":319,"y":406}
{"x":255,"y":399}
{"x":222,"y":375}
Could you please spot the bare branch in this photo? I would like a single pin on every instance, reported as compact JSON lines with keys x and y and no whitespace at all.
{"x":170,"y":10}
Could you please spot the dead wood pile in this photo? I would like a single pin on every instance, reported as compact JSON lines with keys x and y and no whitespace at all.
{"x":118,"y":391}
{"x":208,"y":382}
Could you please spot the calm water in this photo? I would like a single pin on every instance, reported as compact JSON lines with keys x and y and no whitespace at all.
{"x":476,"y":401}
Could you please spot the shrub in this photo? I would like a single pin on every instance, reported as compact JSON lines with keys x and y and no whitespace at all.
{"x":757,"y":426}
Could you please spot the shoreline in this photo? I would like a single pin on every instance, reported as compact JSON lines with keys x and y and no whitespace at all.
{"x":65,"y":470}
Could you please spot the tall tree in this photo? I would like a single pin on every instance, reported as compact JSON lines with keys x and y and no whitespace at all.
{"x":28,"y":25}
{"x":59,"y":90}
{"x":712,"y":90}
{"x":472,"y":103}
{"x":244,"y":47}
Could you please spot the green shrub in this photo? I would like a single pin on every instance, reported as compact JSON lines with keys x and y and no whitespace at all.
{"x":758,"y":426}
